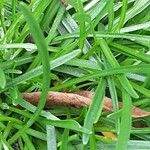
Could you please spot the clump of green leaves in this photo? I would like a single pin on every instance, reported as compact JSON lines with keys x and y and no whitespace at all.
{"x":100,"y":45}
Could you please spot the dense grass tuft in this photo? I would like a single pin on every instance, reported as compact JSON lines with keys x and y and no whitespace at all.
{"x":95,"y":45}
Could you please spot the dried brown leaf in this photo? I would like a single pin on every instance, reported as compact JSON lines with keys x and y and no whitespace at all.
{"x":78,"y":99}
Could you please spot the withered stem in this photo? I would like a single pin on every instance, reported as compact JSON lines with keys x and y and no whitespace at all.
{"x":78,"y":99}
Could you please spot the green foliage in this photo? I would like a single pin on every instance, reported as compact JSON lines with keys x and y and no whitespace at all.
{"x":100,"y":45}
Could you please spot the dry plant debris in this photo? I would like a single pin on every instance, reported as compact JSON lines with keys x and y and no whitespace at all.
{"x":78,"y":99}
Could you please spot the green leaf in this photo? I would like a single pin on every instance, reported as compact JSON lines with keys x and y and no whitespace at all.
{"x":114,"y":63}
{"x":73,"y":3}
{"x":94,"y":108}
{"x":126,"y":121}
{"x":51,"y":138}
{"x":2,"y":79}
{"x":68,"y":124}
{"x":113,"y":71}
{"x":28,"y":141}
{"x":65,"y":136}
{"x":38,"y":70}
{"x":6,"y":145}
{"x":131,"y":52}
{"x":132,"y":37}
{"x":86,"y":18}
{"x":43,"y":51}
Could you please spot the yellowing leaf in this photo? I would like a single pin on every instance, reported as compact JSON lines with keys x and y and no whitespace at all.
{"x":110,"y":135}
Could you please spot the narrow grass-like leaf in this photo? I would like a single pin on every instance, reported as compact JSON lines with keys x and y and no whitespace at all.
{"x":43,"y":50}
{"x":98,"y":27}
{"x":17,"y":62}
{"x":72,"y":26}
{"x":27,"y":46}
{"x":2,"y":79}
{"x":112,"y":71}
{"x":32,"y":132}
{"x":38,"y":8}
{"x":110,"y":15}
{"x":82,"y":18}
{"x":6,"y":145}
{"x":136,"y":27}
{"x":38,"y":71}
{"x":138,"y":7}
{"x":28,"y":141}
{"x":83,"y":63}
{"x":70,"y":70}
{"x":113,"y":94}
{"x":132,"y":145}
{"x":127,"y":85}
{"x":113,"y":62}
{"x":122,"y":16}
{"x":50,"y":13}
{"x":51,"y":138}
{"x":92,"y":141}
{"x":13,"y":10}
{"x":141,"y":89}
{"x":96,"y":105}
{"x":104,"y":7}
{"x":146,"y":81}
{"x":136,"y":77}
{"x":129,"y":51}
{"x":65,"y":136}
{"x":2,"y":126}
{"x":98,"y":8}
{"x":55,"y":25}
{"x":8,"y":129}
{"x":126,"y":120}
{"x":5,"y":118}
{"x":131,"y":37}
{"x":71,"y":138}
{"x":2,"y":17}
{"x":13,"y":71}
{"x":68,"y":123}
